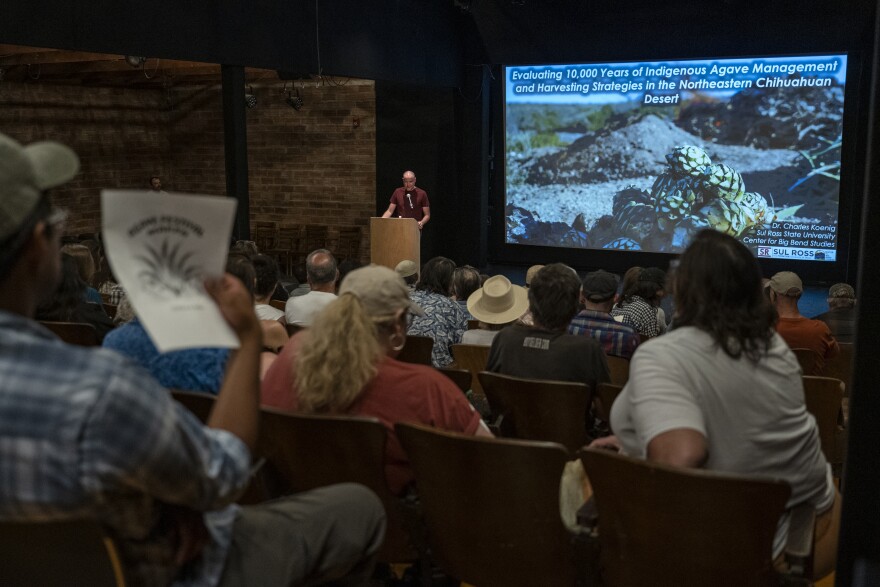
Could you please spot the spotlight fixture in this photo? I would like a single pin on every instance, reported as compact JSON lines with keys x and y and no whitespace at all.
{"x":250,"y":100}
{"x":295,"y":102}
{"x":135,"y":61}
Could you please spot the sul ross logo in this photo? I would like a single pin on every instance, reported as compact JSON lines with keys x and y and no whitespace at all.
{"x":763,"y":251}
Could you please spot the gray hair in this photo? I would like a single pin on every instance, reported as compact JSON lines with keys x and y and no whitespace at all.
{"x":321,"y":272}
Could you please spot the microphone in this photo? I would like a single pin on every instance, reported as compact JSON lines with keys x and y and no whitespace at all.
{"x":410,"y":200}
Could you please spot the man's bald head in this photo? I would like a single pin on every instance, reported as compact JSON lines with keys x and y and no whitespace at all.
{"x":321,"y":267}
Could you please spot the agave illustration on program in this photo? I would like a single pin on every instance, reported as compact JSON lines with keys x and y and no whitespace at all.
{"x":168,"y":273}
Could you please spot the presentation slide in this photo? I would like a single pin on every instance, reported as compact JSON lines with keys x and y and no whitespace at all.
{"x":641,"y":156}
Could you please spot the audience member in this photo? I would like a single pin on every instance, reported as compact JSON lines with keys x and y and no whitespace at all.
{"x":345,"y":268}
{"x":531,"y":272}
{"x":302,"y":282}
{"x":68,"y":304}
{"x":247,"y":248}
{"x":546,"y":350}
{"x":444,"y":320}
{"x":321,"y":274}
{"x":409,"y":271}
{"x":86,"y":433}
{"x":497,"y":304}
{"x":465,"y":281}
{"x":266,"y":269}
{"x":363,"y":330}
{"x":841,"y":314}
{"x":723,"y":391}
{"x":799,"y":331}
{"x":598,"y":294}
{"x":156,"y":184}
{"x":85,"y":265}
{"x":640,"y":304}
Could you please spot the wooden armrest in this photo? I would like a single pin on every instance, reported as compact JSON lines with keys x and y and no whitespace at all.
{"x":799,"y":547}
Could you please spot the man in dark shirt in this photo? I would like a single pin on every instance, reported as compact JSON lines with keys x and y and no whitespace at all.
{"x":841,"y":314}
{"x":598,"y":294}
{"x":409,"y":201}
{"x":545,"y":350}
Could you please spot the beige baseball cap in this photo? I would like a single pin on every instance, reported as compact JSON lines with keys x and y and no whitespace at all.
{"x":530,"y":274}
{"x":406,"y":268}
{"x":380,"y":289}
{"x":25,"y":172}
{"x":787,"y":283}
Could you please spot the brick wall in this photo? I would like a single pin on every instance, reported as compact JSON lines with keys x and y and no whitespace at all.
{"x":310,"y":166}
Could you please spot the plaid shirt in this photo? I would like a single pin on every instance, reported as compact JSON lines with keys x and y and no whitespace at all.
{"x":615,"y":337}
{"x":639,"y":314}
{"x":85,"y":432}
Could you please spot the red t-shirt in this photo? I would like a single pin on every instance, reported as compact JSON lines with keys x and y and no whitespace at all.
{"x":400,"y":392}
{"x":419,"y":199}
{"x":804,"y":333}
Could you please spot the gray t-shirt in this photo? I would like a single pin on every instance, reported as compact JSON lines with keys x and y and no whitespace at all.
{"x":752,"y":415}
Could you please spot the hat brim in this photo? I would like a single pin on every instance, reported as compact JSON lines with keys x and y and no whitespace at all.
{"x":519,"y":307}
{"x":54,"y":164}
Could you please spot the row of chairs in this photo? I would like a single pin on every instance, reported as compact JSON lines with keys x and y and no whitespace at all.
{"x":291,"y":243}
{"x":488,"y":509}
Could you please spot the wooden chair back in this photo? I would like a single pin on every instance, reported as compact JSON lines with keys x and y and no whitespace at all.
{"x":278,"y":304}
{"x":606,"y":393}
{"x":200,"y":404}
{"x":535,"y":409}
{"x":417,"y":349}
{"x":69,"y":552}
{"x":810,"y":361}
{"x":618,"y":368}
{"x":683,"y":527}
{"x":474,"y":358}
{"x":78,"y":333}
{"x":304,"y":452}
{"x":491,"y":507}
{"x":461,"y":377}
{"x":840,"y":366}
{"x":823,"y":396}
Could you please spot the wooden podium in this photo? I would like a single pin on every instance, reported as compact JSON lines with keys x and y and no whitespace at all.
{"x":393,"y":240}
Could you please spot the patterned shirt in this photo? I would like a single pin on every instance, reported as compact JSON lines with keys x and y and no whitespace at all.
{"x":615,"y":337}
{"x":85,"y":432}
{"x":198,"y":369}
{"x":639,"y":314}
{"x":444,"y":321}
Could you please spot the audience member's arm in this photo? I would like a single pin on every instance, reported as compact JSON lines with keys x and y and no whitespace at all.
{"x":681,"y":447}
{"x":237,"y":407}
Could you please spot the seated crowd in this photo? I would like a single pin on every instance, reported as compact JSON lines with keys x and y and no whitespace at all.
{"x":712,"y":385}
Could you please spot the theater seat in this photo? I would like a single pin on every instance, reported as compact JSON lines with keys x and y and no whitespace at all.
{"x":661,"y":525}
{"x":491,"y":509}
{"x":58,"y":554}
{"x":535,"y":409}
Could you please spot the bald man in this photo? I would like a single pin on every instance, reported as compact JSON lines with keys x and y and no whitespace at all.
{"x":409,"y":202}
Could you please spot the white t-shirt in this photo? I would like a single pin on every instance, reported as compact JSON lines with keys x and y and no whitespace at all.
{"x":752,"y":415}
{"x":479,"y":336}
{"x":267,"y":312}
{"x":301,"y":310}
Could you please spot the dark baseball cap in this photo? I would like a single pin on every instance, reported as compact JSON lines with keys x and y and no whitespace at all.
{"x":599,"y":286}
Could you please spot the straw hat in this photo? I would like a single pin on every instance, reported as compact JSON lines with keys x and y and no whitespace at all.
{"x":498,"y":301}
